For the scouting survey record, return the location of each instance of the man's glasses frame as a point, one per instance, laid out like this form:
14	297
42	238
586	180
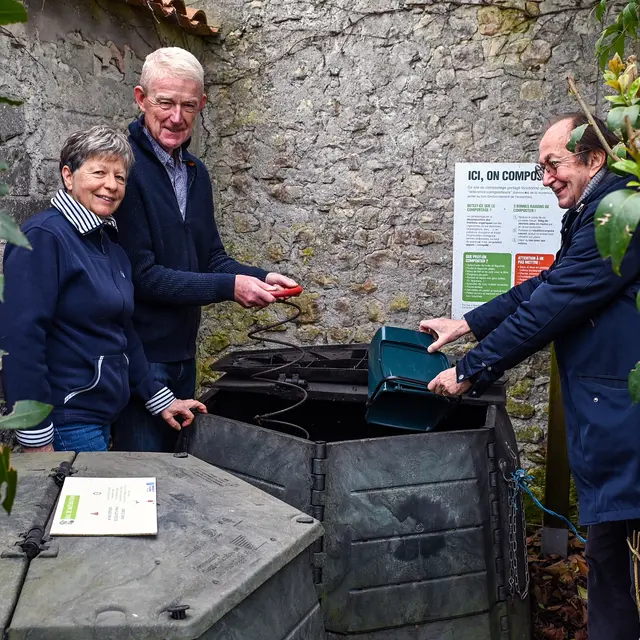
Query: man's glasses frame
551	167
169	105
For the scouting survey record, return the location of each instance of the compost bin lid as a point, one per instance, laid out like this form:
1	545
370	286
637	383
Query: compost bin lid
36	494
218	540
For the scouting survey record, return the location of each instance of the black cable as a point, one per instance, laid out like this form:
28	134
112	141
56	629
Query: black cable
262	375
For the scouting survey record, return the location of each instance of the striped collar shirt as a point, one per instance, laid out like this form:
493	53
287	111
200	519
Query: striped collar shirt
176	170
79	216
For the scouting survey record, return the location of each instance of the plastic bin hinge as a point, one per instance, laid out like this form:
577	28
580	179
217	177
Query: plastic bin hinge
33	542
318	498
504	626
61	472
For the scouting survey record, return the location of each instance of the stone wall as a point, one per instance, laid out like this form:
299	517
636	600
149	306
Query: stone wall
74	63
333	129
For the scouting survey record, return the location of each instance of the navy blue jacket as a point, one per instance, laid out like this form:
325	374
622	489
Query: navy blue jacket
178	265
66	323
590	313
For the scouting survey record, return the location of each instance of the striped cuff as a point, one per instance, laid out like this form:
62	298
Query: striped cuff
160	401
32	438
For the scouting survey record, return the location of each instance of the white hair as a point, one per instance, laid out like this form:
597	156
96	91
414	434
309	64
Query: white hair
171	62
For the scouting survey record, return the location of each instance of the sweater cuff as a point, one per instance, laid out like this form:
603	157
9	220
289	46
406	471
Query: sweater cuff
160	401
227	286
32	438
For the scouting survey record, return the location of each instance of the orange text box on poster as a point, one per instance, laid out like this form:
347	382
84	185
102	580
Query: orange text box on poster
529	265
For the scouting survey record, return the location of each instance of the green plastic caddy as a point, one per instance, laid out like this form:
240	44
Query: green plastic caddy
400	369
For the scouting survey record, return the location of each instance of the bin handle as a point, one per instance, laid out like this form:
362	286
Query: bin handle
419	383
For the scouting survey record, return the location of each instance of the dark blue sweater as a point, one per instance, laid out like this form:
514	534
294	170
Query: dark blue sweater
66	323
178	265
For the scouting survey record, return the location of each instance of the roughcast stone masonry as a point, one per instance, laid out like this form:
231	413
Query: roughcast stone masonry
331	133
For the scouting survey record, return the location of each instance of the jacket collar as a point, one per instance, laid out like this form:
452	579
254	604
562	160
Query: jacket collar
79	216
161	154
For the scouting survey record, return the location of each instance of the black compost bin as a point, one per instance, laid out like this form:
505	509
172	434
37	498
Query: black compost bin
417	525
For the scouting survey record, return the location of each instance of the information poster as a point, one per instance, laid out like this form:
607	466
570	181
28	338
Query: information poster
506	230
106	507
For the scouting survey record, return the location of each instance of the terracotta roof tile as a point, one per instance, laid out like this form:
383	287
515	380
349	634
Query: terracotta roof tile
191	20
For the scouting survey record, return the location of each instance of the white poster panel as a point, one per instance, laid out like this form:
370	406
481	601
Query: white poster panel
506	230
106	507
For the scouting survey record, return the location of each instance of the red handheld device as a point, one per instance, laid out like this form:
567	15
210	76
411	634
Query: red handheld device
287	293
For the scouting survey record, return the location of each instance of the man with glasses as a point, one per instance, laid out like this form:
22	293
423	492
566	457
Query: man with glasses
590	313
167	229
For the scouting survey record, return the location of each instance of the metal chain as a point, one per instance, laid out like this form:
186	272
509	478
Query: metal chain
515	505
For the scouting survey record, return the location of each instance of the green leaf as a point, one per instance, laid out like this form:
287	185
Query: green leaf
12	11
600	9
638	301
11	101
582	592
25	414
616	120
576	136
630	16
4	166
621	151
10	232
633	89
627	166
4	189
9	477
634	384
1	288
615	221
616	100
603	55
618	45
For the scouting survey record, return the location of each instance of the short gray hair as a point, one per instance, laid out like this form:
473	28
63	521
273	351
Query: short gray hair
171	62
99	141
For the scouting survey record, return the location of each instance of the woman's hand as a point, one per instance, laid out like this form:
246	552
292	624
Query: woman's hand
444	330
182	408
446	384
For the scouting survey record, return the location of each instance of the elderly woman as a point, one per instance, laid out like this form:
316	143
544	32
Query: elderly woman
66	319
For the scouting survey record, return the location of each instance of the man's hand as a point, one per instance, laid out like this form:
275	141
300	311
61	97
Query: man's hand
444	331
446	384
182	408
251	292
46	448
280	281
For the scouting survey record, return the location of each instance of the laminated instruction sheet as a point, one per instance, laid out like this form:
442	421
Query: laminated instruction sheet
506	230
106	507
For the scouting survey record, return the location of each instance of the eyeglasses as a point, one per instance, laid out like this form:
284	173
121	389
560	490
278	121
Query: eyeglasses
170	105
551	167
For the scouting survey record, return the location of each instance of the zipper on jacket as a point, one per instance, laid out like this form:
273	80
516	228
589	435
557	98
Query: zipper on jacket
91	386
102	240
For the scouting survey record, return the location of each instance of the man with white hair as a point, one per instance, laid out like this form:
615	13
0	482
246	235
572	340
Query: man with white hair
168	231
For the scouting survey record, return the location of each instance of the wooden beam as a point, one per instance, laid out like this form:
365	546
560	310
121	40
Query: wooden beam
557	479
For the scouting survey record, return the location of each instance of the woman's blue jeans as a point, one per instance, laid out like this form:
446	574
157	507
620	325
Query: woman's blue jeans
81	437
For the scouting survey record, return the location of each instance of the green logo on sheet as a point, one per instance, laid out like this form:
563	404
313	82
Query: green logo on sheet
70	508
